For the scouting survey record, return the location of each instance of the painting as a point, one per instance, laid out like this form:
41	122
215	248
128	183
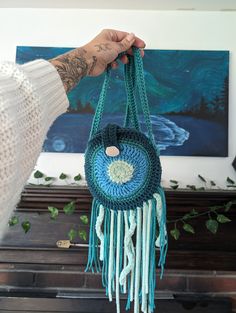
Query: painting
188	98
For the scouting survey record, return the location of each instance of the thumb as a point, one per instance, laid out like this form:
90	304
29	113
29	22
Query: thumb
126	43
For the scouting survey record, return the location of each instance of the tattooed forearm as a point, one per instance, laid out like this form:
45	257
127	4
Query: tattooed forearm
93	58
72	66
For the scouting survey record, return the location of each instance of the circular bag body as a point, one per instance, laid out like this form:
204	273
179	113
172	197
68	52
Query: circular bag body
126	180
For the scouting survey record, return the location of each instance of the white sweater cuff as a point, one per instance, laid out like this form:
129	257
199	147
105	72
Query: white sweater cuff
48	86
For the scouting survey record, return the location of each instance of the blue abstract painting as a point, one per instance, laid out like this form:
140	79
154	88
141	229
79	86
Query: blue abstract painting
188	98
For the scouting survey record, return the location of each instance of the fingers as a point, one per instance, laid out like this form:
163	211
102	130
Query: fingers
129	41
117	35
139	43
114	65
126	43
114	35
124	59
129	51
125	40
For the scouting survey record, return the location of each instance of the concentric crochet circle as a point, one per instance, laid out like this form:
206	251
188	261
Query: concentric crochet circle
120	171
125	181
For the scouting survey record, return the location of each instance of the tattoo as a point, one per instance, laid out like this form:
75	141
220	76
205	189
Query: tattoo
72	66
103	47
93	64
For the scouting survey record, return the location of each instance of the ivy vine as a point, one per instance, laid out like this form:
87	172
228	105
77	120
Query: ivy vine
206	184
213	217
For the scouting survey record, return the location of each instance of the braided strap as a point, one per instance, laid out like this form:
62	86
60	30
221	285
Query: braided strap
133	73
100	107
131	118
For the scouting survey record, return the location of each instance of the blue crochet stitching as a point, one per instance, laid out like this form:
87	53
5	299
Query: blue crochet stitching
132	155
113	199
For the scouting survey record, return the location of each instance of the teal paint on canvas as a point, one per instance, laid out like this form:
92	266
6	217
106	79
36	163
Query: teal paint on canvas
188	97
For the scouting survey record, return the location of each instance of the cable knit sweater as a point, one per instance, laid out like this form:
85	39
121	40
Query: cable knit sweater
32	96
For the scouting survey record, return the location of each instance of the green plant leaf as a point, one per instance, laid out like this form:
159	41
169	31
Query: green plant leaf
48	178
72	234
212	226
212	183
194	212
82	234
228	206
192	187
202	178
77	177
230	181
174	181
69	208
26	226
84	219
63	176
53	212
223	219
188	228
38	174
175	233
174	187
213	208
186	216
14	220
201	188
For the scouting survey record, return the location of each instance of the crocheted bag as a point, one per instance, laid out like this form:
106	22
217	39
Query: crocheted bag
123	173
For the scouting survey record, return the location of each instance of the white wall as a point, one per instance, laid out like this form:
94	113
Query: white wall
161	30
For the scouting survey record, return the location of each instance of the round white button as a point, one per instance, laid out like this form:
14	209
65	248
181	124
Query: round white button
112	151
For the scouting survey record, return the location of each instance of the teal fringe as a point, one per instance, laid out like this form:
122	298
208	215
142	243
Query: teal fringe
152	264
128	294
163	236
94	263
93	258
107	220
122	234
114	252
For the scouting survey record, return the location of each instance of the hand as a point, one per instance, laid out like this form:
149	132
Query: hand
93	58
105	48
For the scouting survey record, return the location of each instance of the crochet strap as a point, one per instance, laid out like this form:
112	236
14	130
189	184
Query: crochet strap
134	77
131	116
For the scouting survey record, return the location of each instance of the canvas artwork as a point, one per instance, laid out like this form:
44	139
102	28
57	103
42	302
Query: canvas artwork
188	98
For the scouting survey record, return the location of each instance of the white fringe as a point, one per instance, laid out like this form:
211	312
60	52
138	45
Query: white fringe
111	254
99	232
138	260
129	244
158	215
132	226
144	239
148	245
118	263
125	254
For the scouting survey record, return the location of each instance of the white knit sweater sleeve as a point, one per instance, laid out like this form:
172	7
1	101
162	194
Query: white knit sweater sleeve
32	96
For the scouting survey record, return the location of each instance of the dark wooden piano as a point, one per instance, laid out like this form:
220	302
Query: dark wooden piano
37	276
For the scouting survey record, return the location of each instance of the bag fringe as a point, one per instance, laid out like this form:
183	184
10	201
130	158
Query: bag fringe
127	269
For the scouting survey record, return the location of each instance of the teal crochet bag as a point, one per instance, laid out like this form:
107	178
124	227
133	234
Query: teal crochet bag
123	173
